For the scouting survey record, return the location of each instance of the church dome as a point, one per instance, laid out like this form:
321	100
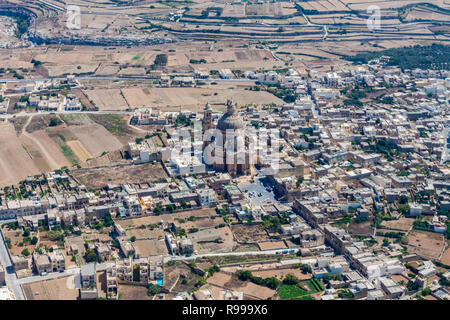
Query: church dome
231	119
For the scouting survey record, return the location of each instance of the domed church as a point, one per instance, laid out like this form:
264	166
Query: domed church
236	161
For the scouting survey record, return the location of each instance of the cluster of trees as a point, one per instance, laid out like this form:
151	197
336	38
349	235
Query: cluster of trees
273	223
272	282
287	95
387	148
22	20
194	61
183	121
54	122
353	97
434	56
91	256
153	289
217	10
160	61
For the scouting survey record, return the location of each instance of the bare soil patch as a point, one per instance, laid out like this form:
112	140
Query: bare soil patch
55	289
79	150
426	244
97	178
95	138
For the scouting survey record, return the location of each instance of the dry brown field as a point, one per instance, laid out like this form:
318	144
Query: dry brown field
363	229
195	98
145	233
97	178
402	224
445	259
250	233
281	273
55	289
226	245
95	138
79	150
107	99
15	163
128	292
271	245
51	148
426	244
167	218
148	248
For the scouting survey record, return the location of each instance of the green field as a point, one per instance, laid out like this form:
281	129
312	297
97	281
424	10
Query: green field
293	292
315	285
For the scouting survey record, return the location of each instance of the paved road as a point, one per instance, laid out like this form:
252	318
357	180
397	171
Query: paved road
115	78
30	114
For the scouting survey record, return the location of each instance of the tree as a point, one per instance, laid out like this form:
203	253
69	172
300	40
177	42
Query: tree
90	256
290	279
426	291
306	268
411	286
54	122
136	273
245	275
157	210
272	283
213	269
8	242
133	238
153	289
34	240
26	232
26	252
160	61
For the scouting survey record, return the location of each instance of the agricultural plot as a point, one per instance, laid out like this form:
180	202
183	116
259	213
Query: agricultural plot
95	139
115	124
107	99
79	150
15	163
196	98
293	292
51	148
62	136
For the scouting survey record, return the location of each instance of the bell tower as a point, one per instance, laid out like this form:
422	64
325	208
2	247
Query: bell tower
207	118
